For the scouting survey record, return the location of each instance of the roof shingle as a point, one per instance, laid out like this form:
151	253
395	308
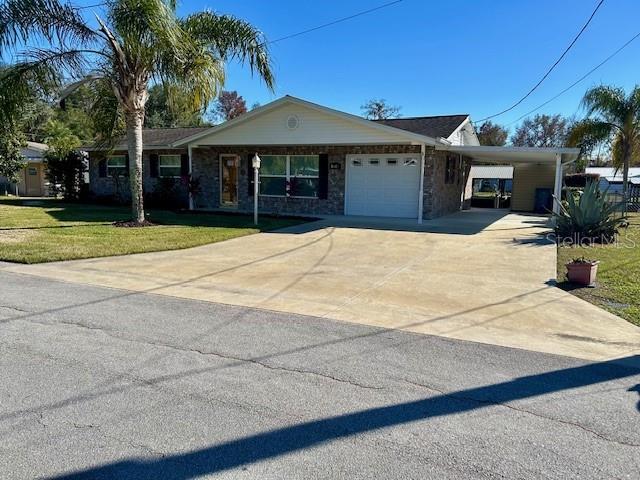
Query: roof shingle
435	127
158	137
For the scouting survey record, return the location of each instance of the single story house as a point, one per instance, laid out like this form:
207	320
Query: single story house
33	179
319	161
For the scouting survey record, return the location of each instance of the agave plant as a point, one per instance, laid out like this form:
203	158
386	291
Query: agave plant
588	217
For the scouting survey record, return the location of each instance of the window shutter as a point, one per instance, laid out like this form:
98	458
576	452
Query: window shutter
127	164
250	173
102	168
184	165
154	165
323	180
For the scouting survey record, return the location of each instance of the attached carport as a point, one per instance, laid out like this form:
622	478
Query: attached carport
533	168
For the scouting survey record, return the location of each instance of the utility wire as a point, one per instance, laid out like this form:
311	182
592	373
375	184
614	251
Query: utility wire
593	14
340	20
579	80
313	29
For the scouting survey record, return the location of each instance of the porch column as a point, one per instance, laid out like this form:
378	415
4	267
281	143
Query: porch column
557	190
189	149
423	149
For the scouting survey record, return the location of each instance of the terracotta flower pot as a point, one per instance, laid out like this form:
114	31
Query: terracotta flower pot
583	273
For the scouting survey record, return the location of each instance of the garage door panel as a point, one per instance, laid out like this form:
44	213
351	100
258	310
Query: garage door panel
382	185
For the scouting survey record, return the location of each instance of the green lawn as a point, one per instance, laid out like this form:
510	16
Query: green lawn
618	282
34	231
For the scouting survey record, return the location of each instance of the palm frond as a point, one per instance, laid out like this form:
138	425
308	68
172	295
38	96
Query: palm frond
588	133
107	115
228	37
146	27
608	102
50	20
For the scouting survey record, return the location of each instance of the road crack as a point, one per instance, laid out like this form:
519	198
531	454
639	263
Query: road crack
521	410
238	360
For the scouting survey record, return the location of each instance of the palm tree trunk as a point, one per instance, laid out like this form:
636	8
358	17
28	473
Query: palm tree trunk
134	122
625	174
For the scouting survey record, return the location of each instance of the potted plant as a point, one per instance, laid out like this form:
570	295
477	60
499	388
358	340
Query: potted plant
582	271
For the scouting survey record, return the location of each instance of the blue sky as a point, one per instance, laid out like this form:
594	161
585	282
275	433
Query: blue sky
437	57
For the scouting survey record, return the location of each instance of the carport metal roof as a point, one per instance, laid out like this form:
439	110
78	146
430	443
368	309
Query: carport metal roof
522	155
514	155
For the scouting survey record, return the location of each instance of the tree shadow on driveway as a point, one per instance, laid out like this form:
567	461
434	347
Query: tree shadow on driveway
274	443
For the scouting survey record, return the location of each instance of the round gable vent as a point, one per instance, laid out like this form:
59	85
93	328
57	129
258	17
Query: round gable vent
293	122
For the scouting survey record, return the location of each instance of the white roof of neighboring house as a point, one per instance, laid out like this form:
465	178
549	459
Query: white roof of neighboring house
613	175
491	171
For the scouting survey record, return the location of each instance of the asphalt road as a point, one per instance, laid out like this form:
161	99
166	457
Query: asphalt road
107	384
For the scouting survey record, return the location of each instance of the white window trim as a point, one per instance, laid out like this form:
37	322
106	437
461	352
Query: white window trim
110	157
287	176
179	166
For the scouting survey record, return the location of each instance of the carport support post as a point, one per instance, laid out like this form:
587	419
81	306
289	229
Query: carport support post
190	151
423	149
557	190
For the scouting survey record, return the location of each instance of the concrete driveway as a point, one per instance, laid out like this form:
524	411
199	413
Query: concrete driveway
482	276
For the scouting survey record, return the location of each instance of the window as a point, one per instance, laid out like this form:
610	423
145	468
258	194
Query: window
290	175
33	171
169	166
450	170
356	163
374	161
392	161
410	162
117	166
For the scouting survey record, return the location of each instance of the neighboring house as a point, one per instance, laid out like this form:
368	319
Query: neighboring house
315	161
611	178
33	177
489	186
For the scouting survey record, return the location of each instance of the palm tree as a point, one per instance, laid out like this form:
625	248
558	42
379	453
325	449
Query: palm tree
128	46
613	117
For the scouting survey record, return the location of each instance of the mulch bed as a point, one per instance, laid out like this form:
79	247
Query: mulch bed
133	224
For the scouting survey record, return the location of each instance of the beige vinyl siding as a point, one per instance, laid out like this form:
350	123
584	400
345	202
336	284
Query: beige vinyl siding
314	128
526	178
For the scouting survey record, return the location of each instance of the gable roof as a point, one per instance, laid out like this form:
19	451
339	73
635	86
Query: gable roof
155	138
167	136
439	126
287	99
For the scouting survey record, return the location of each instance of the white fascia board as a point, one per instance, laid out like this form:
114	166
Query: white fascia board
465	122
414	137
514	154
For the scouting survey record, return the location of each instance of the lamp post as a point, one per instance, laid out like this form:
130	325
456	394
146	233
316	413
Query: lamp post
256	166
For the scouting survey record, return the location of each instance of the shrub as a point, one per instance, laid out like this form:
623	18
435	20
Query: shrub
66	174
587	217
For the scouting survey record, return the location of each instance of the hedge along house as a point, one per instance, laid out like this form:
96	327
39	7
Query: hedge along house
315	161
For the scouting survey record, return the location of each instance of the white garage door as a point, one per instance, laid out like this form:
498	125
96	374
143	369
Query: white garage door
383	185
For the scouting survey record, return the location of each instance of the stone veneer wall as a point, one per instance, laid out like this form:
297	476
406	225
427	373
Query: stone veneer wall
439	197
206	168
105	187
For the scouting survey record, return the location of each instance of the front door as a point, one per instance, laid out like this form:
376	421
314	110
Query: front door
33	180
229	165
